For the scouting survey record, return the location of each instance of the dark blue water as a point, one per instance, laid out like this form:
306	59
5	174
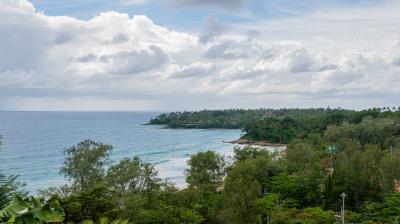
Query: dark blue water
33	142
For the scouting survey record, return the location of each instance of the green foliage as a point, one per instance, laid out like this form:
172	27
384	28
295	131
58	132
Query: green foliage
32	210
309	215
271	129
131	176
8	186
129	189
267	205
135	188
352	217
287	187
152	182
232	119
107	221
241	191
91	205
315	215
205	170
202	201
366	175
171	215
84	164
248	152
299	185
298	123
387	211
303	164
383	132
124	189
275	126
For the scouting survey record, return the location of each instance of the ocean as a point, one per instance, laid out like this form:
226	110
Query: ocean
33	143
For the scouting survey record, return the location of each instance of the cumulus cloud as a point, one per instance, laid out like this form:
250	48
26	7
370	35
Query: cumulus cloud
194	70
135	61
119	38
227	50
114	59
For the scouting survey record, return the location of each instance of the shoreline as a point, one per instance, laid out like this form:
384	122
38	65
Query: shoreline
165	126
256	143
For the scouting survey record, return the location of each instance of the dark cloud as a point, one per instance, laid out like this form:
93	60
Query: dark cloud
300	60
63	38
212	29
87	58
328	67
136	61
226	50
396	61
119	38
224	4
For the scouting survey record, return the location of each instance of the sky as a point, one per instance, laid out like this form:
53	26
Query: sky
167	55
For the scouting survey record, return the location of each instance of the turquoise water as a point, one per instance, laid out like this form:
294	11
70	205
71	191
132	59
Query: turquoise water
33	143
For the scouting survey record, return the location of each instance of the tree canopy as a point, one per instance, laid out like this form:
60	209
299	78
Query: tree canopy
329	151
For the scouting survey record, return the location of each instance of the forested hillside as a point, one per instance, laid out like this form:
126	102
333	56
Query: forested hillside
230	119
353	153
272	125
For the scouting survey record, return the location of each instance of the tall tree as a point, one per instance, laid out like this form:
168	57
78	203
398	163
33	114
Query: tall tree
152	182
241	191
304	164
126	177
205	171
85	163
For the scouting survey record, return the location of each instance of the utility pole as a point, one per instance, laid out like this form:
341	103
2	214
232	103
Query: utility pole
343	195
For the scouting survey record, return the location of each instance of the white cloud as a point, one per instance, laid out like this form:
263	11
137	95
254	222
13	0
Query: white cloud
131	63
194	70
